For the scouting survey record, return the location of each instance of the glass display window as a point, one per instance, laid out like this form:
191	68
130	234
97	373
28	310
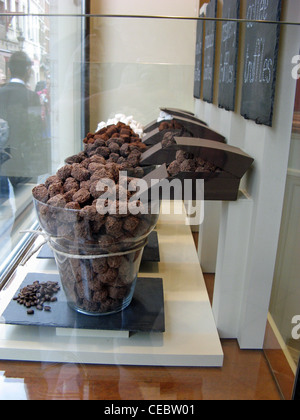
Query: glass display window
71	70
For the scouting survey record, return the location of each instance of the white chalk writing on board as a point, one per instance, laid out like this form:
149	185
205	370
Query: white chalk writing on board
260	60
226	66
198	62
208	70
257	68
257	11
229	31
226	69
209	52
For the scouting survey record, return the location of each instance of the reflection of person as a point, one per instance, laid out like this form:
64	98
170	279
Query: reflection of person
42	89
20	108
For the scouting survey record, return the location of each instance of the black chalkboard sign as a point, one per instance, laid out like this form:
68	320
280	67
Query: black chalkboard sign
198	61
209	52
260	61
229	55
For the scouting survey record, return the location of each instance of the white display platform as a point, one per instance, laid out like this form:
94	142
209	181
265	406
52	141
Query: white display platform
191	337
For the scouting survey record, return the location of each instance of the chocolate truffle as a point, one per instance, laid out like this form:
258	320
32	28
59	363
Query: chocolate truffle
82	196
40	193
95	166
133	158
90	213
69	195
113	157
55	189
180	156
115	262
99	265
113	226
71	184
124	150
103	151
57	201
131	223
110	276
86	184
118	292
101	174
74	159
64	172
168	140
114	148
100	296
97	159
174	168
52	180
188	165
72	206
79	172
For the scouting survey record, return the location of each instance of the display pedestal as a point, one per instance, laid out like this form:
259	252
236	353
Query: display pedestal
190	337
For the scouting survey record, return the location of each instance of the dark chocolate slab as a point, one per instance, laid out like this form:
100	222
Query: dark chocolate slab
175	113
145	314
184	114
229	158
196	128
218	186
200	129
222	184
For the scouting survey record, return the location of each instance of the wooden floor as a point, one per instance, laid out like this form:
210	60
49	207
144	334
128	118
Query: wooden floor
244	376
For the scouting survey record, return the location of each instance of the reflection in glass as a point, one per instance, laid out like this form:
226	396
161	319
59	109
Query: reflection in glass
34	101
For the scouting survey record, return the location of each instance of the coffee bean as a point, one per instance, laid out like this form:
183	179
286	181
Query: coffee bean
36	295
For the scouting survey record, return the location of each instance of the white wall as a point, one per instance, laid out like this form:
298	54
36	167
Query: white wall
250	227
147	7
139	65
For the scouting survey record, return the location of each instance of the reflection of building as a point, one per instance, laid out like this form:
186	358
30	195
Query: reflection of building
28	33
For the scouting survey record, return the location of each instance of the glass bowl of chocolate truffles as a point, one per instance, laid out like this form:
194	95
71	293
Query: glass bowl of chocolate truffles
96	230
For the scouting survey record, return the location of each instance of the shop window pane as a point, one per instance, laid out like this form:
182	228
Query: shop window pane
120	75
40	108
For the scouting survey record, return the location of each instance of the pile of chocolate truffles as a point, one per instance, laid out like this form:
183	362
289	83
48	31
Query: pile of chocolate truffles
75	187
100	285
67	208
115	144
173	129
187	162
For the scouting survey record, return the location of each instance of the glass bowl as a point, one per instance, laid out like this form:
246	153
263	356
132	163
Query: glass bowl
98	285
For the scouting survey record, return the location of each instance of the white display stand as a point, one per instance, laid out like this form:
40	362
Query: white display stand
191	338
